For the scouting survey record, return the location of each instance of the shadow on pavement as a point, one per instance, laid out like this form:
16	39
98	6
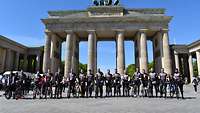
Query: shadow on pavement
29	98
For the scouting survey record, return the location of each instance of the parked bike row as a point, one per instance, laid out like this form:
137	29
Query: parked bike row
141	84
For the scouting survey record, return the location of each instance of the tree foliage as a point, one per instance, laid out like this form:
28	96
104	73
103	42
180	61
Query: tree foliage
132	68
150	65
81	66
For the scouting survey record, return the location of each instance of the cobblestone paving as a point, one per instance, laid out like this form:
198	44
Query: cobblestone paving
105	105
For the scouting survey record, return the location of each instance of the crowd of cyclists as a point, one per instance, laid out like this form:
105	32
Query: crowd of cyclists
140	84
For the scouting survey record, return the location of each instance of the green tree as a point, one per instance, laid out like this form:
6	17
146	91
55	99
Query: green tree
131	69
150	65
81	66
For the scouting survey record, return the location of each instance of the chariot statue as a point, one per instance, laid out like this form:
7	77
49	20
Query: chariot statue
105	2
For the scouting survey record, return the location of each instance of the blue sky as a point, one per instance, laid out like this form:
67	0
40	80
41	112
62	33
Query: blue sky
20	21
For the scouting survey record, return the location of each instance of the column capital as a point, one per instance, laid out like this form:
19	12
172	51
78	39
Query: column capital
17	52
164	30
190	54
175	52
91	31
48	32
143	30
119	30
8	49
69	31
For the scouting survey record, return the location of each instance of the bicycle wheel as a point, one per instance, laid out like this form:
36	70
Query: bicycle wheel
8	94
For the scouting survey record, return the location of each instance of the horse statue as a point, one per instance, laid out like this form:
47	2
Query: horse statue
105	2
116	2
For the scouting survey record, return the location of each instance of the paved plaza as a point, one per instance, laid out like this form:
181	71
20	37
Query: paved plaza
105	105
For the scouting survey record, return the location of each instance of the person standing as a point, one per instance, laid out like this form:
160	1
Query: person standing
71	83
37	85
136	82
99	82
83	83
58	84
162	78
195	84
90	83
12	81
48	84
125	84
117	83
40	81
101	2
153	80
145	81
178	83
109	79
24	80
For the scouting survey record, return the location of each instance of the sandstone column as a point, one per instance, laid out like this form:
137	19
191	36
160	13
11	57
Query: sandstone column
166	59
38	62
75	54
182	65
120	51
47	48
95	55
68	54
143	58
198	61
92	51
59	53
53	54
176	60
17	61
157	48
186	67
8	59
190	61
136	52
25	64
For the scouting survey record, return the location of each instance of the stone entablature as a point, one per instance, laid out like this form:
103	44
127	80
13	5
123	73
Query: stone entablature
35	50
195	46
113	9
181	49
106	11
155	11
190	48
7	43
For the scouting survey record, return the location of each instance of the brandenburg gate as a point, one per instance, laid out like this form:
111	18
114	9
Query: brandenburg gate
107	23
